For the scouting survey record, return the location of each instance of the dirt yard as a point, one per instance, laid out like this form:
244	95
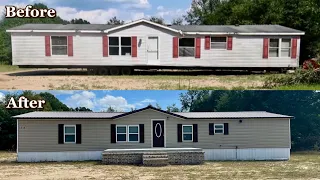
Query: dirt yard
301	166
79	80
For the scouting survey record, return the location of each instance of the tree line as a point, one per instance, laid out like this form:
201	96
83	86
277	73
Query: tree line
302	15
303	105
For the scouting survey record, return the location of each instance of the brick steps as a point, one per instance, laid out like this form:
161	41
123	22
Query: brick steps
155	159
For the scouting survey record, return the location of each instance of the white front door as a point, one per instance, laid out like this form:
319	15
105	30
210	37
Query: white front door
153	50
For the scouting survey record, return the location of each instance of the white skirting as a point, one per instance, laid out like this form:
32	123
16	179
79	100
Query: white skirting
210	154
247	154
59	156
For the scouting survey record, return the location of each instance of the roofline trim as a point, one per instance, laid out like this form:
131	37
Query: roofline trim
140	21
42	31
90	31
235	33
22	31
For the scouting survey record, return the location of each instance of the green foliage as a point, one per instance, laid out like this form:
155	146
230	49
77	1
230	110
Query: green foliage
158	20
79	21
303	105
303	15
300	76
177	21
173	108
115	21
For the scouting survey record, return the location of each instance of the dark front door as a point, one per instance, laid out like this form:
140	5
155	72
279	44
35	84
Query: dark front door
158	133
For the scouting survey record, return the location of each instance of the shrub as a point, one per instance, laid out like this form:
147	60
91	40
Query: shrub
300	76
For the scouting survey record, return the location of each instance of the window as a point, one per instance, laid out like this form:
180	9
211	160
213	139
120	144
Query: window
133	133
59	45
69	134
114	46
126	46
187	132
286	48
121	133
127	133
274	48
186	47
218	128
218	42
120	46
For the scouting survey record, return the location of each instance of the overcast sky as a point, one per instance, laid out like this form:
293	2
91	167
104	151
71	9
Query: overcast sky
100	11
121	100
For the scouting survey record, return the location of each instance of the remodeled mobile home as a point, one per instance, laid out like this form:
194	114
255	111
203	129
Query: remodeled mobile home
115	49
74	136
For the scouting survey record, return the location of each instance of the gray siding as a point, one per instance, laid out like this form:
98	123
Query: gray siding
29	49
42	135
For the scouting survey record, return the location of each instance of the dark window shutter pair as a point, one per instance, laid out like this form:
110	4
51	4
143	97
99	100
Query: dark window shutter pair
113	133
225	125
195	132
61	133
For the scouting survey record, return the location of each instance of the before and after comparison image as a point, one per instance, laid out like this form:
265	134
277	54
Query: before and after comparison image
158	90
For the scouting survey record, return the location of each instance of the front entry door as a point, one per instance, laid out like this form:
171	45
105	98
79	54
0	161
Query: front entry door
158	133
153	50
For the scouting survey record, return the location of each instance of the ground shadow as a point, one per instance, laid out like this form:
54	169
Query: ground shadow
79	72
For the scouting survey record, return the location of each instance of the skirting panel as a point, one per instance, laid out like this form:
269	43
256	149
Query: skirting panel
247	154
59	156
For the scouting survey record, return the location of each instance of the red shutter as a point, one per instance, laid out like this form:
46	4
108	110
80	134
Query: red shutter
294	48
198	47
265	48
207	42
230	41
175	47
134	46
47	46
70	45
105	44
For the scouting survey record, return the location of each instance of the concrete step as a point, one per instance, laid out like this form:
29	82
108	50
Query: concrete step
155	161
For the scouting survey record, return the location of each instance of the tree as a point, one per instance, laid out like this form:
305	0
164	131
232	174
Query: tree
158	106
173	108
110	110
178	21
79	21
115	21
81	109
158	20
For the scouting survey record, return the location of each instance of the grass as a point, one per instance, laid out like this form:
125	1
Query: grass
304	165
8	68
299	87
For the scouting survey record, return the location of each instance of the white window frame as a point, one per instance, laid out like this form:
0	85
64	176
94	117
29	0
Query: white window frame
194	48
183	133
120	46
218	128
75	134
121	133
280	48
133	133
51	46
127	133
211	42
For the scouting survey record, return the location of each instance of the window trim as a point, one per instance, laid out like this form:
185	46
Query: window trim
121	133
219	43
218	128
51	46
280	48
120	46
138	133
187	133
194	47
64	134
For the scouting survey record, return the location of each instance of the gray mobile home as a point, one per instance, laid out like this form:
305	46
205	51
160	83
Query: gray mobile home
76	136
116	49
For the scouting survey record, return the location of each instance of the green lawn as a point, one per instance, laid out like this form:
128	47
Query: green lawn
8	68
299	87
305	165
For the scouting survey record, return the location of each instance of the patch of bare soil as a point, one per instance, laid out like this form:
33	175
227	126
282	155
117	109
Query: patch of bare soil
79	80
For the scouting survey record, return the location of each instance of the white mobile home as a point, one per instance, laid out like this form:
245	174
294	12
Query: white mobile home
75	136
143	44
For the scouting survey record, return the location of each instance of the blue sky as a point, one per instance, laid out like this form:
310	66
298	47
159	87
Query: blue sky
121	100
99	11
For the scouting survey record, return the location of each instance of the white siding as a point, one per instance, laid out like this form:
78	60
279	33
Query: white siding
29	49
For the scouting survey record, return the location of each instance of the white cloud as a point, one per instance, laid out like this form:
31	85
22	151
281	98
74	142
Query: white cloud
82	99
160	8
148	101
119	103
137	4
2	96
93	16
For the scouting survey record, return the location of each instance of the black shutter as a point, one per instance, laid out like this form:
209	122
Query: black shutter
195	132
60	134
141	133
78	133
211	128
113	133
179	132
226	128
